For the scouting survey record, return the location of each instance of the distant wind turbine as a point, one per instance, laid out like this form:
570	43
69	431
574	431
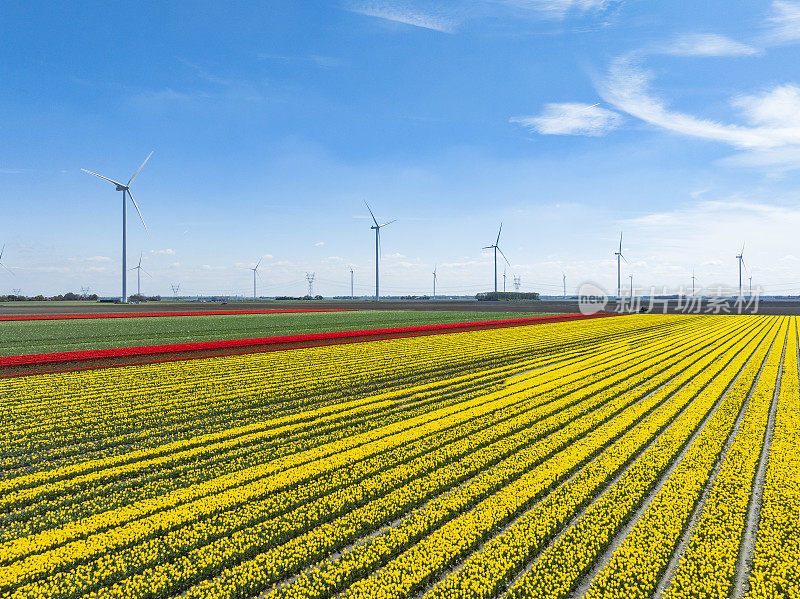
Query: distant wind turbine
3	249
255	271
139	271
693	278
564	283
740	258
496	248
377	228
631	278
619	255
434	281
125	189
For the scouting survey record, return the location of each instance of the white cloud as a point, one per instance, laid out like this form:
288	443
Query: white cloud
627	88
98	259
168	252
783	26
404	12
319	244
571	119
559	9
707	44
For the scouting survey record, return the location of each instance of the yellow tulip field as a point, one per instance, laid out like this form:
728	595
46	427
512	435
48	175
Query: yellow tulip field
631	456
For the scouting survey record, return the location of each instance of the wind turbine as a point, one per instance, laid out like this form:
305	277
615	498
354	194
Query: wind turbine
564	283
139	270
693	277
377	228
496	248
740	258
434	281
255	270
631	278
619	255
750	293
125	189
3	249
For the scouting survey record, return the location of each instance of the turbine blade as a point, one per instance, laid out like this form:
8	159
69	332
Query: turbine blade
388	223
498	234
8	269
258	263
147	273
504	256
488	247
371	214
139	211
140	168
624	258
140	258
3	249
102	177
620	242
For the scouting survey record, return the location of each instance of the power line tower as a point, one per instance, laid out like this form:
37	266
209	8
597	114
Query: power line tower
176	287
517	283
84	292
16	292
310	279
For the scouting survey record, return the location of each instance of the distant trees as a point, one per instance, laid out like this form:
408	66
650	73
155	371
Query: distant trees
505	296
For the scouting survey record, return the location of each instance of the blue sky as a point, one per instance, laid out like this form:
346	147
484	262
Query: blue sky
271	123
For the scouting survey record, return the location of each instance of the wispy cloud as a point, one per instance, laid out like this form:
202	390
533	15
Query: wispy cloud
405	13
167	252
571	119
783	25
319	244
313	59
559	9
13	171
98	259
706	44
772	114
203	74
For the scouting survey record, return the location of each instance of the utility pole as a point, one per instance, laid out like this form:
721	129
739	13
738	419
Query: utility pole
352	295
310	279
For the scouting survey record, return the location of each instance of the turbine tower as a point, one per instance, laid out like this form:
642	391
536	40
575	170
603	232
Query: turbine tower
126	190
619	255
750	293
496	248
564	283
434	281
693	277
255	271
631	278
377	228
139	270
352	296
740	258
504	279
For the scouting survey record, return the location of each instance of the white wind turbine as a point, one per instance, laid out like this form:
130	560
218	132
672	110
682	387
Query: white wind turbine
434	281
126	190
377	228
740	258
255	272
496	247
619	255
139	271
3	249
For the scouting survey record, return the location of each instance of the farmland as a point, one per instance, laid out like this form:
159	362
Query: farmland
628	456
46	336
